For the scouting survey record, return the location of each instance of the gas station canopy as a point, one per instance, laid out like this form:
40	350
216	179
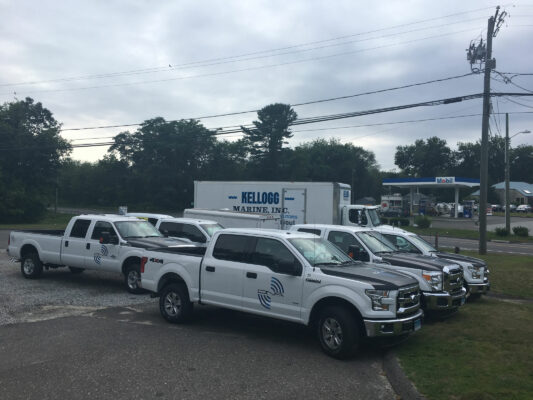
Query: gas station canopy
434	182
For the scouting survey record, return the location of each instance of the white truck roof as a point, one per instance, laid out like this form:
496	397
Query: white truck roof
342	228
107	217
274	233
149	215
188	220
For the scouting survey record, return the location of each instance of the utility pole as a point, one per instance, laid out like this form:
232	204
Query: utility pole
507	174
478	53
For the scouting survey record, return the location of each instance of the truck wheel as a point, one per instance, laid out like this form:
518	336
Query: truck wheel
132	278
31	266
174	303
76	270
338	332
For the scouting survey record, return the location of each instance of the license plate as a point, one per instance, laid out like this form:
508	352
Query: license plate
418	324
463	301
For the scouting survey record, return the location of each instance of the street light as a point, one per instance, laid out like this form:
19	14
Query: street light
507	173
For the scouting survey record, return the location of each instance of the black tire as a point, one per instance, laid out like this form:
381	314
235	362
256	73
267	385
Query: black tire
30	266
132	278
338	332
76	270
174	303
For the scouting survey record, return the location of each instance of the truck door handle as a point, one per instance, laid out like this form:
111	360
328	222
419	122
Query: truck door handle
210	269
252	275
66	243
88	246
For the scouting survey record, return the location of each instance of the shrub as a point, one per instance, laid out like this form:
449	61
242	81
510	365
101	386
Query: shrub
396	221
521	231
422	221
385	220
501	232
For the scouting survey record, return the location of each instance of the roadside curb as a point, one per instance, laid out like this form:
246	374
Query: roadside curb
401	385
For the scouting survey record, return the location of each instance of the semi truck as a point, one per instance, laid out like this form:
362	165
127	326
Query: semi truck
293	202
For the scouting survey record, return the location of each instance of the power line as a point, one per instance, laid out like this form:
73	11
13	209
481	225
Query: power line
244	69
236	57
293	105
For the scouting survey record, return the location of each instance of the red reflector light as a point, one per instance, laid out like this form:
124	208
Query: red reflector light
143	263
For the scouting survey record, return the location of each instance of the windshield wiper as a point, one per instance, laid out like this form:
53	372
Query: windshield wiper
326	263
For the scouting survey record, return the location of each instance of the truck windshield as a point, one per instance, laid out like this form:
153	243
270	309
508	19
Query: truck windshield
137	229
210	229
422	244
376	242
374	217
320	252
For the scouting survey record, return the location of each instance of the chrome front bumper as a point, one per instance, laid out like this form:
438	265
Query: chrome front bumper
478	288
394	327
443	300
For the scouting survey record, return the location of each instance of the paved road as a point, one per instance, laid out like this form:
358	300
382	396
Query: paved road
83	336
126	353
492	247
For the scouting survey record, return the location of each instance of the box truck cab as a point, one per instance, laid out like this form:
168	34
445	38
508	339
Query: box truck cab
293	202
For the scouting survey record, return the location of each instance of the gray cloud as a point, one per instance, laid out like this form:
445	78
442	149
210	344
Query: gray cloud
51	39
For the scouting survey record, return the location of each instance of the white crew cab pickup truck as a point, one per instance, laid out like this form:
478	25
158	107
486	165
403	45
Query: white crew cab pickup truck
475	271
441	281
100	242
193	229
287	275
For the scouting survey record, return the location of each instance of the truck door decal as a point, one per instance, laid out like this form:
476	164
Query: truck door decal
97	257
276	289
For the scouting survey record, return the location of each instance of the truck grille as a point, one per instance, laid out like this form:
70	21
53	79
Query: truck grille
408	300
453	281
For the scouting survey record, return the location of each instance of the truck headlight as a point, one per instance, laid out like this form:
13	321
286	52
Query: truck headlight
380	299
477	272
434	279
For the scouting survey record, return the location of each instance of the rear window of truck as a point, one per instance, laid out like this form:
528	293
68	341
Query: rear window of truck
79	230
233	247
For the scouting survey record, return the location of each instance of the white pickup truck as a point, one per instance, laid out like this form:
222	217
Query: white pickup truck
100	242
441	281
287	275
193	229
475	271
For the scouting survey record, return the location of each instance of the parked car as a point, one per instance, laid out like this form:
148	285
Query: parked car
440	280
525	208
100	242
475	271
291	276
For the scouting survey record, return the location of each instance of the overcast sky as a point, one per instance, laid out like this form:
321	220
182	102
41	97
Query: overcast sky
198	58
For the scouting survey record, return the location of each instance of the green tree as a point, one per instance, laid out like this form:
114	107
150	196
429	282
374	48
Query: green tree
165	158
521	161
331	161
267	138
31	152
430	157
468	159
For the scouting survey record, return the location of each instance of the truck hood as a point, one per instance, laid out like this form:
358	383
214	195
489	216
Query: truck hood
150	242
378	277
416	261
459	257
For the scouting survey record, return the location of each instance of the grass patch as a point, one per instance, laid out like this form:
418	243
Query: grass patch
481	353
513	214
464	234
49	221
509	274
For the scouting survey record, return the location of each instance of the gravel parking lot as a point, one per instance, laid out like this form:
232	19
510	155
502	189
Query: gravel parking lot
58	293
89	337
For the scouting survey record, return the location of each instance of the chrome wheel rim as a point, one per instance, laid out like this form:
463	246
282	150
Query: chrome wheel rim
172	304
133	279
332	333
29	266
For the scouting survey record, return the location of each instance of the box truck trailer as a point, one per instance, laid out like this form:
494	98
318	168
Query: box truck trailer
293	202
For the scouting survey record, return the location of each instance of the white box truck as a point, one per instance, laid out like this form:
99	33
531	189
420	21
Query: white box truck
294	202
235	219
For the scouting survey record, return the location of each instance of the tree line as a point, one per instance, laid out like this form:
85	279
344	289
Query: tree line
154	167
